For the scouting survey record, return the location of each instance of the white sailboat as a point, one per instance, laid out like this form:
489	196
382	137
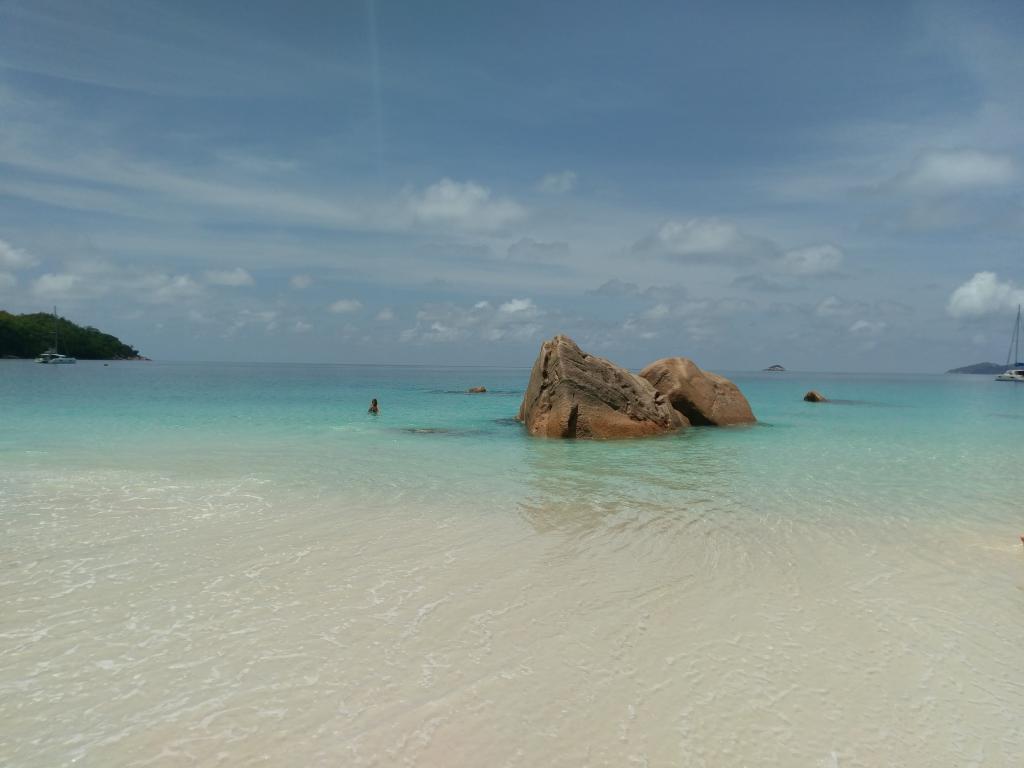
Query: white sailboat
1014	368
52	356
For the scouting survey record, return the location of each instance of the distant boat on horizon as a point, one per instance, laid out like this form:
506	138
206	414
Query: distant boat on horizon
52	356
1014	368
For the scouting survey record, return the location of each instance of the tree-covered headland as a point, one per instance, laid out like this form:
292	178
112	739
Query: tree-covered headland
29	335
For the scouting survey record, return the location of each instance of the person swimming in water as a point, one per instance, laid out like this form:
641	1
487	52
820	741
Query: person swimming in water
374	408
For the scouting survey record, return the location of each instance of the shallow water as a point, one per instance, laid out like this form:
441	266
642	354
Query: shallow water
235	565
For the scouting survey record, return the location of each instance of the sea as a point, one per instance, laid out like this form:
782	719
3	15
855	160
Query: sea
237	565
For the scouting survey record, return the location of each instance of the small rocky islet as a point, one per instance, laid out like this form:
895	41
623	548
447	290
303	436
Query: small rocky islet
572	394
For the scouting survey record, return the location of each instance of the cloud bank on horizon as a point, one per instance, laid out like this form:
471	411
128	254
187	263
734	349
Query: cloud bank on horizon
830	188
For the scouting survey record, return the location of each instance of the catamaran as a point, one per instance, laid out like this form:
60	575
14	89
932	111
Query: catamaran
1014	369
52	356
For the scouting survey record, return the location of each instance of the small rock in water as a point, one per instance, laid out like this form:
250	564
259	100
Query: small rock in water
814	396
476	390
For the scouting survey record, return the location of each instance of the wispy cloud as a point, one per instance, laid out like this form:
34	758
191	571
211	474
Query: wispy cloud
701	238
812	260
868	327
15	258
464	204
234	278
345	306
513	320
558	183
939	171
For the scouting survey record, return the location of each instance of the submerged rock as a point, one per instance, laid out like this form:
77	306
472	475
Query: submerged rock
573	394
476	390
814	396
702	397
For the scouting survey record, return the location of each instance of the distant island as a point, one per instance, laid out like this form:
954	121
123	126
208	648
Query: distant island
979	368
776	368
26	336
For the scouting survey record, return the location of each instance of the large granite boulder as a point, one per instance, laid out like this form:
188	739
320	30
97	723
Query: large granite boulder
702	397
573	394
814	396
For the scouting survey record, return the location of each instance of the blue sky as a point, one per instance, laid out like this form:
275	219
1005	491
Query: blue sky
830	186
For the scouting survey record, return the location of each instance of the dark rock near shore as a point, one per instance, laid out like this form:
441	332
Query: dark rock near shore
476	390
814	396
704	398
575	395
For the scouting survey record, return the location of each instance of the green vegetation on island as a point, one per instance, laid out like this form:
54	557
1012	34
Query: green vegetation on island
26	336
979	368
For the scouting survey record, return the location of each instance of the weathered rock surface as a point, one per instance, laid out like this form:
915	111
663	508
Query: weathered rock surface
702	397
573	394
476	390
814	396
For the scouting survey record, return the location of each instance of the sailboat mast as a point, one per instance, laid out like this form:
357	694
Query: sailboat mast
1017	339
54	327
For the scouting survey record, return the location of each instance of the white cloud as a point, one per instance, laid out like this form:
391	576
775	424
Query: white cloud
92	279
268	318
234	278
301	327
658	312
831	306
386	315
514	320
164	289
697	320
701	238
464	204
984	294
54	285
345	306
299	282
517	305
812	260
943	170
558	183
15	258
868	327
698	236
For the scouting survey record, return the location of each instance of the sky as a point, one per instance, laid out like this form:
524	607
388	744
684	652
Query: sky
829	186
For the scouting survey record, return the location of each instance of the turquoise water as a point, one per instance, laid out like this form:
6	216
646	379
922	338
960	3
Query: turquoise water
208	564
915	445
